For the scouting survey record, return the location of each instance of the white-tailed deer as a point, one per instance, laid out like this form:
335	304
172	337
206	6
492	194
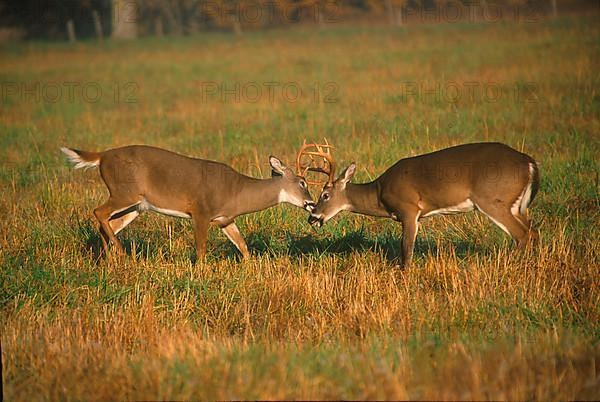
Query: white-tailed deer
142	178
490	177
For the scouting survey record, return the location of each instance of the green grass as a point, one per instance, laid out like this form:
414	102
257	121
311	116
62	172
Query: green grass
314	314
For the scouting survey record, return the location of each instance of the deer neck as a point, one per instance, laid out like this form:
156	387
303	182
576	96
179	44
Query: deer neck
258	194
364	199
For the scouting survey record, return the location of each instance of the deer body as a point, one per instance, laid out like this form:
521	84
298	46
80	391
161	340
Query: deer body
490	177
143	178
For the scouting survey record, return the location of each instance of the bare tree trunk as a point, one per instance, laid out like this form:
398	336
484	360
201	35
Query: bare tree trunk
125	19
390	11
177	16
192	27
237	27
483	5
554	8
233	10
158	26
399	16
394	13
97	25
320	17
71	31
170	11
190	22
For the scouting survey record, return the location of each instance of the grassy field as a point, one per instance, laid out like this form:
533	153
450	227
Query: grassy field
314	314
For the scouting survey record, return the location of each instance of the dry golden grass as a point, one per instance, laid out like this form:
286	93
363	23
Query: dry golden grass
269	329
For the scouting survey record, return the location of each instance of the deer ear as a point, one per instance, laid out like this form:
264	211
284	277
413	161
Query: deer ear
277	166
347	174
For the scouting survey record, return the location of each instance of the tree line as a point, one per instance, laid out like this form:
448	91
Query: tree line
73	19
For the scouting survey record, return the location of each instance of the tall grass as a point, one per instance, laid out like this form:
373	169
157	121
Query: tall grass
313	314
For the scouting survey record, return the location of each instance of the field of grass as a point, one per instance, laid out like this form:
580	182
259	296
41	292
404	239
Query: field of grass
314	314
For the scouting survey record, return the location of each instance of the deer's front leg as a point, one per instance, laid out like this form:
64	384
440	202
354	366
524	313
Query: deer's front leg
410	226
200	234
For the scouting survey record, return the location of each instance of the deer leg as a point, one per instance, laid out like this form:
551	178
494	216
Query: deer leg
233	234
410	227
501	215
200	234
104	213
118	224
523	219
104	237
532	233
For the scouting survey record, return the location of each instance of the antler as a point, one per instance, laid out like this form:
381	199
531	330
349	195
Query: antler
322	151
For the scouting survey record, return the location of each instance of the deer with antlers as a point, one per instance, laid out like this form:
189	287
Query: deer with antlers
313	150
142	178
489	177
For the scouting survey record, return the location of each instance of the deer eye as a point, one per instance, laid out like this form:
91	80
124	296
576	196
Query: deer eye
325	196
302	183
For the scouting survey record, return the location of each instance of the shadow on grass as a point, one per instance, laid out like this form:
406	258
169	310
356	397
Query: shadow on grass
260	243
93	244
344	245
146	247
388	244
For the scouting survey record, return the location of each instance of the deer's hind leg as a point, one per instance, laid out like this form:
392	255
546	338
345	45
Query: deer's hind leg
121	220
113	216
233	234
503	217
532	233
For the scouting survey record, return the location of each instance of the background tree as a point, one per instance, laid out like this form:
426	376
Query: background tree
392	8
125	14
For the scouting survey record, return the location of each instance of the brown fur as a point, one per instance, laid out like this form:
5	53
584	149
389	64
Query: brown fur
490	176
140	178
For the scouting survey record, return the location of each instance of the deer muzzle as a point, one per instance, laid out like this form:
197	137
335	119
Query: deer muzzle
312	219
309	206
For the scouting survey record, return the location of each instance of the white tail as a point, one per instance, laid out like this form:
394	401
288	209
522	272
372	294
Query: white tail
78	160
528	193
